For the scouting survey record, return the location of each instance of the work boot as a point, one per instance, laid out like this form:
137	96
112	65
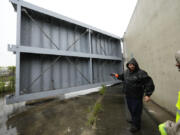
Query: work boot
129	121
134	129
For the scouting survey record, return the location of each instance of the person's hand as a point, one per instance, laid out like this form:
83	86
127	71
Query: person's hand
146	98
112	74
115	75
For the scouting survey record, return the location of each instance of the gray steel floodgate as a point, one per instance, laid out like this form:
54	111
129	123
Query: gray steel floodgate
57	55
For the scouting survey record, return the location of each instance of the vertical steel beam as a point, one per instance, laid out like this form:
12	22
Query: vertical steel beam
18	42
122	54
90	60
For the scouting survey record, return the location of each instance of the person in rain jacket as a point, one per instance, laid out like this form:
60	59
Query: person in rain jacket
170	127
137	84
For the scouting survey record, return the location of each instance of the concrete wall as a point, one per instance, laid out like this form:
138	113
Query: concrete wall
153	37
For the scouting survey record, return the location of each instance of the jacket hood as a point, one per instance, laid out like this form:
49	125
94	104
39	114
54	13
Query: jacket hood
177	56
134	62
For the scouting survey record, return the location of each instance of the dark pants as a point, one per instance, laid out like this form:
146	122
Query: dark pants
135	107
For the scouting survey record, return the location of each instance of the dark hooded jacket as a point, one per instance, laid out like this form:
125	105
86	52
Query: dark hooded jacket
136	83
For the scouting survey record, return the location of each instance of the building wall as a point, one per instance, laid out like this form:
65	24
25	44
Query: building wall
153	37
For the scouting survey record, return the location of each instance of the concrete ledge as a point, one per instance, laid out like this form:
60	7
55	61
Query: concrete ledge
158	113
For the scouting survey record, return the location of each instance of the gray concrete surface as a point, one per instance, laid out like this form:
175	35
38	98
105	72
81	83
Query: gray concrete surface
153	37
112	121
70	117
157	113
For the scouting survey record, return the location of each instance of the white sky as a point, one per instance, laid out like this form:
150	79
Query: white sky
109	15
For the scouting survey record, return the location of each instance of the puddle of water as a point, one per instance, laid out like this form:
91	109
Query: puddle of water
57	117
5	112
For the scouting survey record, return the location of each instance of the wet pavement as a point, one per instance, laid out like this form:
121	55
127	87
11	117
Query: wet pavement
57	117
5	112
70	117
113	119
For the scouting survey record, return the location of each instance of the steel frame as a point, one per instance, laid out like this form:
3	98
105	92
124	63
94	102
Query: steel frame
18	49
53	93
58	16
37	50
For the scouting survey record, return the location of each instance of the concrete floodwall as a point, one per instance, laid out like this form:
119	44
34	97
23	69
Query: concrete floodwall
153	37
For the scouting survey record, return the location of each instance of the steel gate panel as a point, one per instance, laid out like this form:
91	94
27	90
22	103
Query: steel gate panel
58	55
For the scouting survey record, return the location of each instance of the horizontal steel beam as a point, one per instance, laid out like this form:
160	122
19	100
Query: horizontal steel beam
46	51
61	17
52	93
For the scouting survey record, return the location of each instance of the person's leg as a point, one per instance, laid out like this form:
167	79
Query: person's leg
129	105
137	113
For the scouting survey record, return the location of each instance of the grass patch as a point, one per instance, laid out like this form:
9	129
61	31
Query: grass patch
93	115
102	90
91	120
97	108
93	111
6	88
7	79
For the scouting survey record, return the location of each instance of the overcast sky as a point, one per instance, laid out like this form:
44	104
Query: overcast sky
109	15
